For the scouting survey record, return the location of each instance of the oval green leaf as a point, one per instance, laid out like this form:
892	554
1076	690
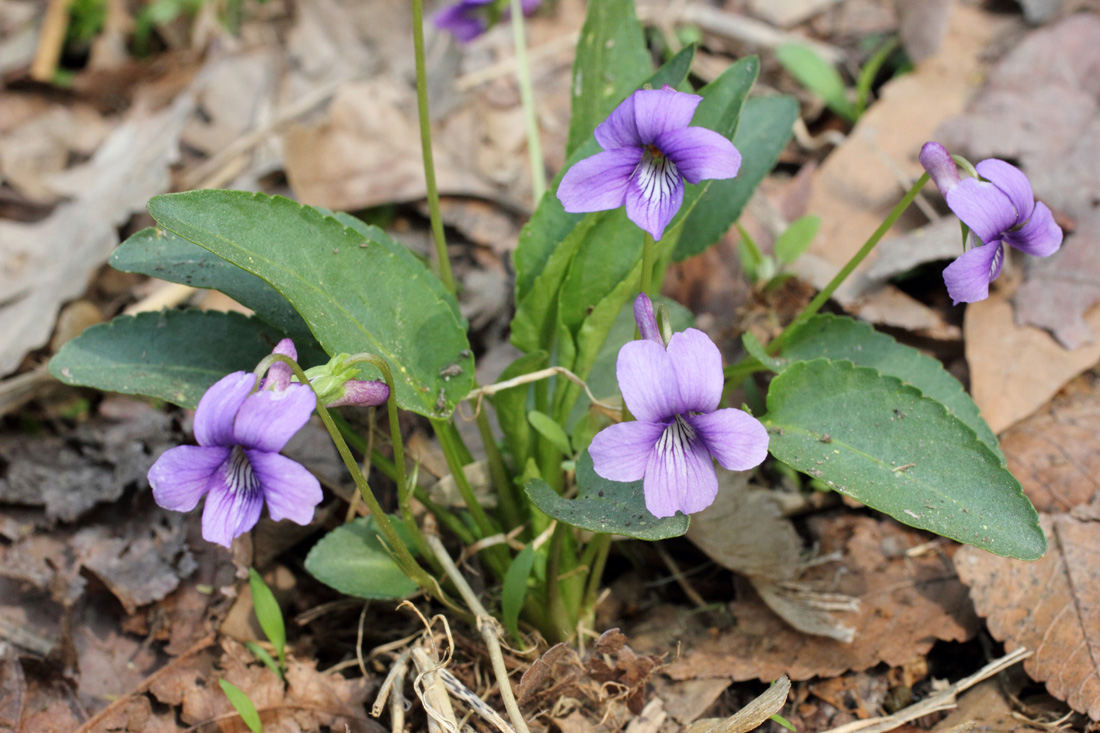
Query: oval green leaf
882	442
172	355
244	707
605	506
839	337
356	288
353	560
167	256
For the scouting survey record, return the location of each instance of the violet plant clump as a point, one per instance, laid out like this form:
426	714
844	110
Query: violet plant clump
674	393
999	208
570	479
649	150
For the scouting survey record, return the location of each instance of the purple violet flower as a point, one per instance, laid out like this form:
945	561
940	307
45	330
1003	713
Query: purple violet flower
674	394
648	152
999	209
236	464
468	19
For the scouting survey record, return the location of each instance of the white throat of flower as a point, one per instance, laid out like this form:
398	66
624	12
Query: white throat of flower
673	445
239	475
656	175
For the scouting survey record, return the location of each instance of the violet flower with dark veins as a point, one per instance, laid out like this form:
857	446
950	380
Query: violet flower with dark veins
678	429
648	152
468	19
999	209
236	464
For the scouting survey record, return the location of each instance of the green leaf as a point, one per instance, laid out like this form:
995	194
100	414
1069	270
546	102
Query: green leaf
757	351
172	355
356	288
839	337
590	338
605	506
164	255
880	441
548	241
611	62
262	654
819	76
242	705
513	591
764	128
550	430
353	559
796	238
268	614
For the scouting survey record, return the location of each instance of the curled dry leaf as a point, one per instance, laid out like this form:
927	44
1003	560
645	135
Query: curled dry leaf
743	531
906	604
751	716
1051	605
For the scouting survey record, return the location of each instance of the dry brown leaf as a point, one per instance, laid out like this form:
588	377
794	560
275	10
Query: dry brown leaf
858	184
1015	370
750	717
1054	452
743	531
366	152
986	708
49	262
310	699
906	604
686	700
1051	605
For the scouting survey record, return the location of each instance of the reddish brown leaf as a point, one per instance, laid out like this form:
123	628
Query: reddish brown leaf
906	604
1054	453
1051	605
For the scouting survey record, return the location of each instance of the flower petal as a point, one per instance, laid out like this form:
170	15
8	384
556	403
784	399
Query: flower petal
940	166
983	207
654	195
1040	236
598	183
698	366
737	439
218	409
1012	181
229	514
462	20
290	490
662	110
182	475
619	130
700	154
267	420
968	277
621	452
680	476
648	382
646	320
279	375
